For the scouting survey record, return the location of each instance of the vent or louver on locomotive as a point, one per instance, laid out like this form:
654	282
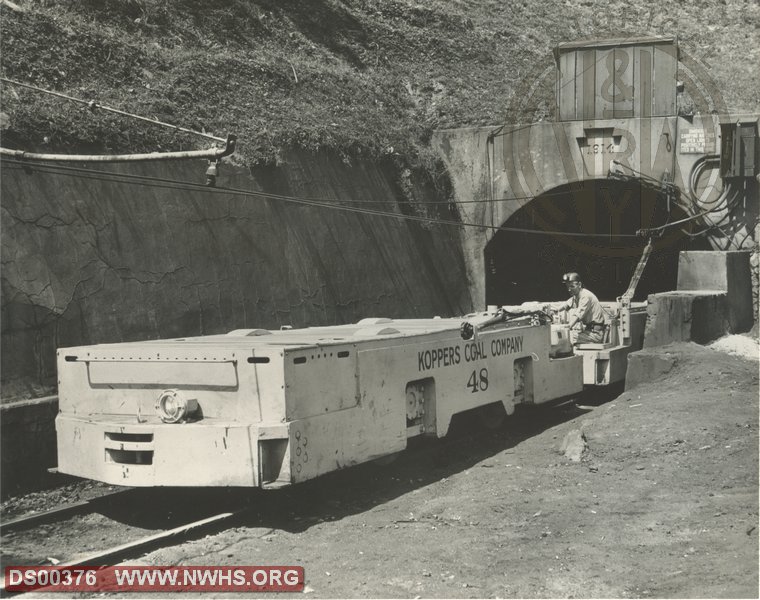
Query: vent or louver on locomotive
129	448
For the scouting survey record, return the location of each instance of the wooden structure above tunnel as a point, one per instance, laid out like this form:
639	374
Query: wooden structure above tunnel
616	78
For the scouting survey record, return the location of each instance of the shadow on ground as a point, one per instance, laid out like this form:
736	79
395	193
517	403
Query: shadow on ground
471	439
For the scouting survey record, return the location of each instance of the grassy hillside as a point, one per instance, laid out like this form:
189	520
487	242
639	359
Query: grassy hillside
360	77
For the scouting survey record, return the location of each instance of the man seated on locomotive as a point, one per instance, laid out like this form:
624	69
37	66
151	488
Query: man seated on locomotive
583	307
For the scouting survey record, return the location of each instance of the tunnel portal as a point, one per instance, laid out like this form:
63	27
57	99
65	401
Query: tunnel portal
602	217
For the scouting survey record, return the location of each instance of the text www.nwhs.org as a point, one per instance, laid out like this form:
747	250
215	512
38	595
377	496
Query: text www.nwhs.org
144	579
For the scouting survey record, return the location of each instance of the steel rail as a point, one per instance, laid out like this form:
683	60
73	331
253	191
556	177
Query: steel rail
60	512
113	555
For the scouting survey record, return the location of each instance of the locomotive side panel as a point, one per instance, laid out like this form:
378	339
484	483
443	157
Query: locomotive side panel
319	380
331	423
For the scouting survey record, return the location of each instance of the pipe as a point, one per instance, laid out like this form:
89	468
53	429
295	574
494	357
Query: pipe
211	154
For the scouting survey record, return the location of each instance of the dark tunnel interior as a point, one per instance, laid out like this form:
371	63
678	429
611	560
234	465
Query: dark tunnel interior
528	266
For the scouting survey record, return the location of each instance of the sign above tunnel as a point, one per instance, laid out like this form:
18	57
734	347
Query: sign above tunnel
616	79
697	140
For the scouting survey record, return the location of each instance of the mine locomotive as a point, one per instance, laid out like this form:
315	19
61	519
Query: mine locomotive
261	408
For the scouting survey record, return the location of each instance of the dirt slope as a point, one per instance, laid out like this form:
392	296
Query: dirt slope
663	504
361	77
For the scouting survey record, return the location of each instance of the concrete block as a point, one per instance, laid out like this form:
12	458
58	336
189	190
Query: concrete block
645	366
686	317
728	272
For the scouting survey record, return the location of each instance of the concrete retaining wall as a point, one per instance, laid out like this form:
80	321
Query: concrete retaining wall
28	444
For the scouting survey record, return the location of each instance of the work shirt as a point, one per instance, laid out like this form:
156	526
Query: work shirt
586	307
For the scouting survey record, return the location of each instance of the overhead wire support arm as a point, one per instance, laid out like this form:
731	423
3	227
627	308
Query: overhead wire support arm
639	270
624	301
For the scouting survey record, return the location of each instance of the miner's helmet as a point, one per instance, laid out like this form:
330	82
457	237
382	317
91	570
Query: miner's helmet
571	277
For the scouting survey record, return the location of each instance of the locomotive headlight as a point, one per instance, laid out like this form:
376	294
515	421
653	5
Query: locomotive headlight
173	407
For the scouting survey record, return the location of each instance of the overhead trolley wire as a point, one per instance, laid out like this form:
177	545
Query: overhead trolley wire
27	165
159	182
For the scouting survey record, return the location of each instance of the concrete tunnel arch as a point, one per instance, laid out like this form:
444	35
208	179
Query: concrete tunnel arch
521	267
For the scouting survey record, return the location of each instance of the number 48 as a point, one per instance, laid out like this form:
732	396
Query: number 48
478	381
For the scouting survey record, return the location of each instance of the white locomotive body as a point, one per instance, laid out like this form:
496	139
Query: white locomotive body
266	408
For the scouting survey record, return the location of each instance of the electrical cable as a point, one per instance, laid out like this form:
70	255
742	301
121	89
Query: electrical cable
180	185
649	230
50	168
542	195
723	199
749	232
174	184
710	225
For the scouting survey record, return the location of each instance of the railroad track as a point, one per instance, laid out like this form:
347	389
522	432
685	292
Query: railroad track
35	538
61	512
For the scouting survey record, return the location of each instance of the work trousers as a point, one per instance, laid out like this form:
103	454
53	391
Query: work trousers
587	336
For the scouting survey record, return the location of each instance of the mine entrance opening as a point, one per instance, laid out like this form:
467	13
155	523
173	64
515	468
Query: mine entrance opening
529	266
